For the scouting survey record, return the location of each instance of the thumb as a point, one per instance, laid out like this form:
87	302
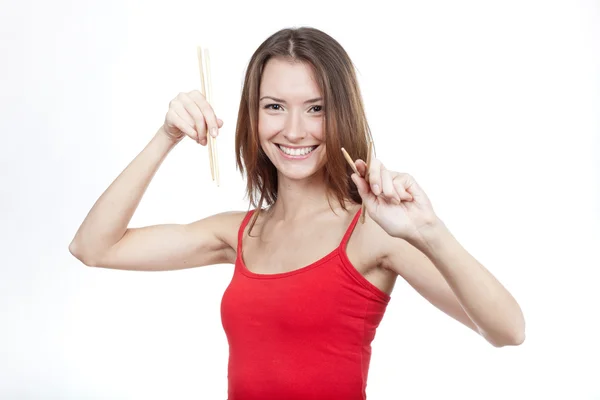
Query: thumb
364	190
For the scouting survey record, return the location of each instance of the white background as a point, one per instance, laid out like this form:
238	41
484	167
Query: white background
491	106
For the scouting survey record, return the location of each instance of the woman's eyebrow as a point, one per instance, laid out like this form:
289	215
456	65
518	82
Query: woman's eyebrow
283	101
313	100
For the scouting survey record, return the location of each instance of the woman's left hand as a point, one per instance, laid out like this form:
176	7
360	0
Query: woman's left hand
394	200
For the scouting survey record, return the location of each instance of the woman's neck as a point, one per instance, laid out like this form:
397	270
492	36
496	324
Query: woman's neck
298	200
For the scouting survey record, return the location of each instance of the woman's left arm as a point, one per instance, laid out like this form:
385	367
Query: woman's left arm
488	304
397	203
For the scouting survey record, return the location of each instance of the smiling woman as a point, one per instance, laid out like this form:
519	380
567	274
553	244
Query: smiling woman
294	79
293	128
311	286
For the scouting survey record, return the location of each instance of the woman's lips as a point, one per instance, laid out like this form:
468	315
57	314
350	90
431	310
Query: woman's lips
296	157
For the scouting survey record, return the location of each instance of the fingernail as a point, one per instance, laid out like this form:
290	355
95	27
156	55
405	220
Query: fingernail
213	132
376	189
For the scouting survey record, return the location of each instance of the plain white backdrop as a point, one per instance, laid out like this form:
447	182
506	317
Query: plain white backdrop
491	106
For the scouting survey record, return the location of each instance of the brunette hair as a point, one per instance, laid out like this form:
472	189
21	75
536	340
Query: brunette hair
345	121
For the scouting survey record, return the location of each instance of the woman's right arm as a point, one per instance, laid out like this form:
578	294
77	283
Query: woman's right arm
104	239
209	241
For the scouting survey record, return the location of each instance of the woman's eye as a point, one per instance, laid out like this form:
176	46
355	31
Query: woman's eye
275	107
317	108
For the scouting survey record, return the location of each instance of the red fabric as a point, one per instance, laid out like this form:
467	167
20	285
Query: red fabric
304	334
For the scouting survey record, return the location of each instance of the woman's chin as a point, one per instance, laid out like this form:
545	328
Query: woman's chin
299	174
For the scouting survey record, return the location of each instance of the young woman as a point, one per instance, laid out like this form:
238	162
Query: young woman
310	284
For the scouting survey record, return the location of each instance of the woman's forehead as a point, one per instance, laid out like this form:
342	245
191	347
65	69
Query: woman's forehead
288	80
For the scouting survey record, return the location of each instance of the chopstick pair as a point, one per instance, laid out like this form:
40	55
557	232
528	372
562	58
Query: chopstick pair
206	90
353	166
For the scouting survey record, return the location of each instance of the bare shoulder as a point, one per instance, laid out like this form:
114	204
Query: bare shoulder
383	258
392	253
372	241
225	227
367	250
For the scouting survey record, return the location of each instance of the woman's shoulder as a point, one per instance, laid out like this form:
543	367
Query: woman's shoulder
231	220
226	225
371	238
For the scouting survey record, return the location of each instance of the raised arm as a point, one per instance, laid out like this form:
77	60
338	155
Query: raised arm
104	239
172	246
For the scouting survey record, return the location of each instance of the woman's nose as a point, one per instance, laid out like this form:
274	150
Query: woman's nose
294	128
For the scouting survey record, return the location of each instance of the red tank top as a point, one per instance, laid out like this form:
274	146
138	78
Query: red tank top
301	335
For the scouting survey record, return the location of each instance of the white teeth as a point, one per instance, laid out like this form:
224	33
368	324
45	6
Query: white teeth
296	152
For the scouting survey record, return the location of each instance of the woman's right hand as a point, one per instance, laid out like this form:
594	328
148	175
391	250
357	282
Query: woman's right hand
190	114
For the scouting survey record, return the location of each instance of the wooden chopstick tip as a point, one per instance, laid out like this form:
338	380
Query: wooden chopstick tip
350	161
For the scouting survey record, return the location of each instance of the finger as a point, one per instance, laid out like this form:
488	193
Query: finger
220	122
387	185
401	190
193	111
180	123
363	188
413	189
207	111
361	166
375	177
179	108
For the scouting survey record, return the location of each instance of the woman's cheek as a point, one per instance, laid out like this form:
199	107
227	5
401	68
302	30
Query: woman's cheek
317	128
268	127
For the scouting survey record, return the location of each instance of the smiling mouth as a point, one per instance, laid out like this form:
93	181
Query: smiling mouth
297	151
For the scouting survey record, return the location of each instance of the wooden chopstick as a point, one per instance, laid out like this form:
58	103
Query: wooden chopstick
349	159
212	141
353	166
364	206
203	91
206	90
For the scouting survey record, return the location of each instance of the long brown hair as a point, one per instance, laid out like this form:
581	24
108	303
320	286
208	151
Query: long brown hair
345	121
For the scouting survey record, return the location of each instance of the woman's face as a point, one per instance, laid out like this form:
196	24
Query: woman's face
291	118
